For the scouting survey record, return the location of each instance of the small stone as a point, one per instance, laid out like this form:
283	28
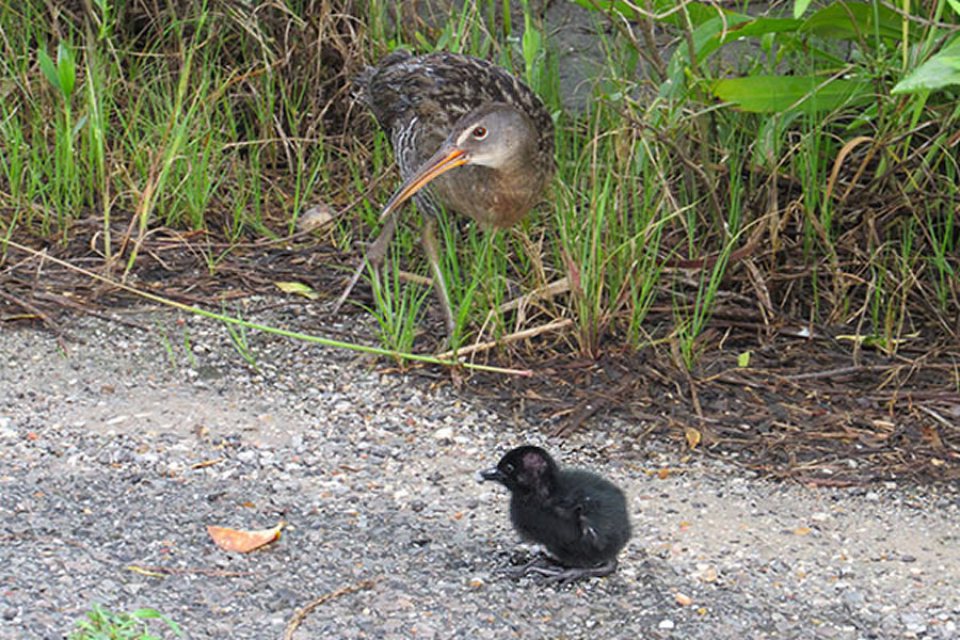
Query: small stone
418	505
666	625
443	433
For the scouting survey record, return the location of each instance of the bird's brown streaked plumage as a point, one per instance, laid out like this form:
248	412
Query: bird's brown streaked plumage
467	135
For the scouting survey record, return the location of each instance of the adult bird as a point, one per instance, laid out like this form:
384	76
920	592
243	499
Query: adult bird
467	135
580	517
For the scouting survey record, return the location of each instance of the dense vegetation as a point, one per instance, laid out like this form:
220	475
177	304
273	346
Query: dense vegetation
794	172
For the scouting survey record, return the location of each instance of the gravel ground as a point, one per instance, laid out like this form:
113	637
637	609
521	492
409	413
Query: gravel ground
116	456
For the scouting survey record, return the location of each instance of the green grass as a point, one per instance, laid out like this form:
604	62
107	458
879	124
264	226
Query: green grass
831	134
103	624
397	305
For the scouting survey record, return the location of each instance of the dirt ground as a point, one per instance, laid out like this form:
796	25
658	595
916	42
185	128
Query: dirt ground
124	438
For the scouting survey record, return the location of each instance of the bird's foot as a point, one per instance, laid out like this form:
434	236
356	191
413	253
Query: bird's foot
557	574
540	561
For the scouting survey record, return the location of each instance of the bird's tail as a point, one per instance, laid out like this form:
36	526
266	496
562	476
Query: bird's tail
360	85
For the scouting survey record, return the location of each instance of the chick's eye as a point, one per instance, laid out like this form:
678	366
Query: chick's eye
479	133
508	468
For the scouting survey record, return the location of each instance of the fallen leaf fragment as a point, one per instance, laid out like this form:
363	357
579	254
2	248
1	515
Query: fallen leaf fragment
206	463
145	572
316	217
802	531
693	437
298	288
242	541
683	599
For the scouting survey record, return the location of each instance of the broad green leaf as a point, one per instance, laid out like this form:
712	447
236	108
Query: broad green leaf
67	69
715	33
776	94
743	359
800	7
853	20
705	41
697	12
609	6
48	68
955	5
941	70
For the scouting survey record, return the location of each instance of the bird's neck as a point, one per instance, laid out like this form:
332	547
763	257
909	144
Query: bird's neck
518	189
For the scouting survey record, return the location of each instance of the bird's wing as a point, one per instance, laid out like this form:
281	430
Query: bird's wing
579	509
587	529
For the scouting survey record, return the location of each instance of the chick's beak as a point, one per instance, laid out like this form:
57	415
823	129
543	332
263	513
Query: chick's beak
448	157
490	474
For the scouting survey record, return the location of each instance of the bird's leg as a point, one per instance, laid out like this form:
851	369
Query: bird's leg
566	575
374	256
429	240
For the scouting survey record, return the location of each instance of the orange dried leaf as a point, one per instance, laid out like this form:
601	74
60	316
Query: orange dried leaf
802	531
683	599
242	541
663	473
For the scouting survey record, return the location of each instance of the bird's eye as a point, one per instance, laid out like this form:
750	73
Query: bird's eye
508	468
479	133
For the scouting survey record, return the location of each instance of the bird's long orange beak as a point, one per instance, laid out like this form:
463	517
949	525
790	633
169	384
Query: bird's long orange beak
448	157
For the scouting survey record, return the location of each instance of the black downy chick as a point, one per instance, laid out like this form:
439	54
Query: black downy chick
578	516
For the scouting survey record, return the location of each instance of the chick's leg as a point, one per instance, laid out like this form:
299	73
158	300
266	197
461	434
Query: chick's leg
566	575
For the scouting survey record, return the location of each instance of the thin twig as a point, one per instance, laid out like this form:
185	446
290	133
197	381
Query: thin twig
842	371
301	615
296	335
556	325
47	320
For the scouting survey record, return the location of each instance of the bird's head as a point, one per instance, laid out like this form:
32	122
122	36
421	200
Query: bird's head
495	135
526	469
